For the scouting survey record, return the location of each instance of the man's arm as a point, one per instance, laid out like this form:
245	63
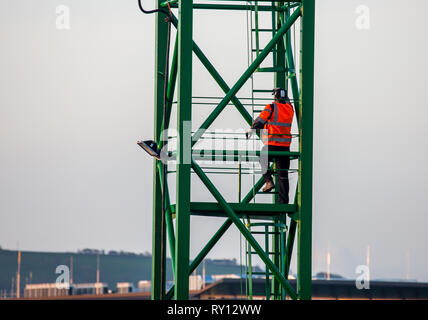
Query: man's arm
258	123
261	120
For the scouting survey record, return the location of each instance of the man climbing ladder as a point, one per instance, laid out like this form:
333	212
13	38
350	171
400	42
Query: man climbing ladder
276	120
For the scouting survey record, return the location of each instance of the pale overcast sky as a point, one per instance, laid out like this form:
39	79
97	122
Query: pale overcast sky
74	102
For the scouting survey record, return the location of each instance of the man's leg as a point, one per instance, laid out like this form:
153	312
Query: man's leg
282	166
264	163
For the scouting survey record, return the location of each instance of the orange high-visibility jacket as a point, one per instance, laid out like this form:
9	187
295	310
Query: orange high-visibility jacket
276	119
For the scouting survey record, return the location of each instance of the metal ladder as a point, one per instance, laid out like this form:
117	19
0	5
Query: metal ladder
277	231
256	46
274	231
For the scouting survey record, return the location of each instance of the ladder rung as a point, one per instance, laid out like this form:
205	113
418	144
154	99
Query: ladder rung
266	192
254	252
262	232
271	69
260	50
259	273
259	110
263	90
262	30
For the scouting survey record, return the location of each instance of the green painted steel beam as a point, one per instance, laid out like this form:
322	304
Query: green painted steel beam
267	282
243	153
231	7
280	60
280	78
243	229
160	59
236	155
256	23
156	238
251	153
239	207
304	240
222	214
289	246
252	210
274	10
279	1
172	80
227	157
291	66
184	129
170	95
170	91
246	75
277	248
168	218
173	3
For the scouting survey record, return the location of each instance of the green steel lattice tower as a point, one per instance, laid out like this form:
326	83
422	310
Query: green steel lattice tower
296	217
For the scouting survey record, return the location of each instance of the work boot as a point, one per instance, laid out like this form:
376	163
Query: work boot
269	186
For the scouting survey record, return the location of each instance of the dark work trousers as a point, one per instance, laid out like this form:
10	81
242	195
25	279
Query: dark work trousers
282	166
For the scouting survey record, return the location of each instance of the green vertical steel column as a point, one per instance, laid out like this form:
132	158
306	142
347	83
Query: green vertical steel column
160	59
268	288
280	57
304	240
184	135
280	81
170	89
292	69
168	218
289	246
277	259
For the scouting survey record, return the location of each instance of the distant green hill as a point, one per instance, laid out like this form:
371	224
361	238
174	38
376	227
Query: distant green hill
39	267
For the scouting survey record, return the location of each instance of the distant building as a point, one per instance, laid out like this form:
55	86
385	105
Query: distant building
144	286
217	277
43	290
233	289
91	251
40	290
324	276
222	262
321	289
395	280
89	288
125	287
195	282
